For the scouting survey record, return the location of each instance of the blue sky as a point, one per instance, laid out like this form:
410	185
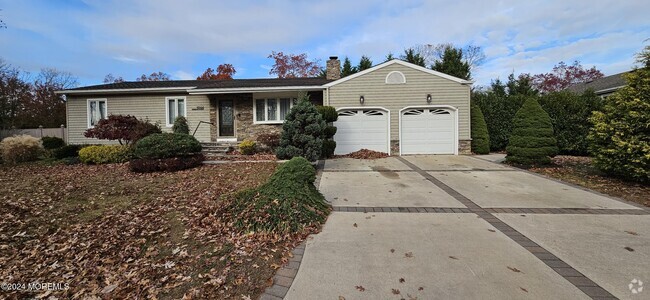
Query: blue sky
91	38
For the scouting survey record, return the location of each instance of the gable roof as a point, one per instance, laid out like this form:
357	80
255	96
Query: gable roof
199	85
600	85
403	63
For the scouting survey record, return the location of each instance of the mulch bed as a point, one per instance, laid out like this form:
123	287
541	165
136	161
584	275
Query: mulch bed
579	170
109	233
237	156
364	154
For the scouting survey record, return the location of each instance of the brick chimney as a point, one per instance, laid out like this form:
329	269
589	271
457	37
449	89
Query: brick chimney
333	68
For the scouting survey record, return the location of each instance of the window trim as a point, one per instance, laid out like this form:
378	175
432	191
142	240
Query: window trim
398	72
277	109
184	98
88	109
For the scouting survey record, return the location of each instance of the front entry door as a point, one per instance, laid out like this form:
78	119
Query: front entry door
226	118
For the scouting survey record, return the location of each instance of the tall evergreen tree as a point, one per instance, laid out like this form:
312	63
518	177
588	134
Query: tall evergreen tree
452	63
389	57
364	63
413	57
532	140
347	68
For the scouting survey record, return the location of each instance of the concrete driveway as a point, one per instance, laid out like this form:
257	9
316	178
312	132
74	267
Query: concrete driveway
458	227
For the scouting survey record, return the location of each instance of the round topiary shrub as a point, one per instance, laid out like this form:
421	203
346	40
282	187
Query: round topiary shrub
164	145
302	132
166	152
52	142
532	140
480	136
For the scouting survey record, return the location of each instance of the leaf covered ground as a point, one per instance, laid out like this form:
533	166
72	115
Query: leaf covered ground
108	233
579	170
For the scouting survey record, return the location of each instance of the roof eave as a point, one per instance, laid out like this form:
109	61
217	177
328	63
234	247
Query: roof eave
255	89
127	91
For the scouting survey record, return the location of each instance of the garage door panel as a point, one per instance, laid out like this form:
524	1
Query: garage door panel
361	129
428	131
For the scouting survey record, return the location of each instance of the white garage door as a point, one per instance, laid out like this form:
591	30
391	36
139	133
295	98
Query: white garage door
361	129
428	131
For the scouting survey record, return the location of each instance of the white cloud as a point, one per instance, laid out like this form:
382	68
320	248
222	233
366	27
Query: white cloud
183	75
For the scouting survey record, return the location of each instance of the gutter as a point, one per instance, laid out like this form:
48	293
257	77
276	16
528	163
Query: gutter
122	91
254	89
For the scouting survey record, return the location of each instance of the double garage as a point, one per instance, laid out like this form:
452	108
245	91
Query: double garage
422	130
399	105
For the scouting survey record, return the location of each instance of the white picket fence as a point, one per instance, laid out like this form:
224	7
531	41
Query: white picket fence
60	132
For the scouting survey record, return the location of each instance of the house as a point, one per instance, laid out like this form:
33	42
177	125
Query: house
603	87
397	105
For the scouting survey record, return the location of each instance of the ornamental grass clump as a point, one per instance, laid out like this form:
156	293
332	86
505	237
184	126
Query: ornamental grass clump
288	203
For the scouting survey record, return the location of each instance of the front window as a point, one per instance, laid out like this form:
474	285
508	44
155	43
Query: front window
272	110
96	111
175	108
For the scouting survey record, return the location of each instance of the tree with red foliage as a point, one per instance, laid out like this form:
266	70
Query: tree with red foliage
224	71
126	129
293	66
564	75
155	76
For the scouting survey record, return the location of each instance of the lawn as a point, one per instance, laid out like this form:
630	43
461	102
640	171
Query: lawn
579	170
106	232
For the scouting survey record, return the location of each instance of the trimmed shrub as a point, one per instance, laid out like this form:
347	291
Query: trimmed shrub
302	132
328	113
180	125
480	136
104	154
532	140
270	141
328	148
166	145
125	129
288	203
498	110
52	142
66	151
20	148
329	132
171	164
570	115
620	137
247	147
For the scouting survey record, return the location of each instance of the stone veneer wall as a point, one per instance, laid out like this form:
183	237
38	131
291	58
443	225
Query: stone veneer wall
244	127
464	147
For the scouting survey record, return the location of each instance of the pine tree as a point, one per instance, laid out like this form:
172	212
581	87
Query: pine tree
364	63
452	64
347	68
532	140
413	57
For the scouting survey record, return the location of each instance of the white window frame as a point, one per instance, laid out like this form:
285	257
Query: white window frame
175	98
266	107
105	100
395	72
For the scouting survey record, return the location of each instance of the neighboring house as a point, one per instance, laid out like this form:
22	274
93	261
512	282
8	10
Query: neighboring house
395	105
603	87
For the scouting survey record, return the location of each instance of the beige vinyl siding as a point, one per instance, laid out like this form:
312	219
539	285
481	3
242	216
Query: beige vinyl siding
149	106
397	96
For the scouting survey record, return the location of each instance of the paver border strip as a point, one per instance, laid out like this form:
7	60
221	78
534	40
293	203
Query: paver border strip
284	277
573	276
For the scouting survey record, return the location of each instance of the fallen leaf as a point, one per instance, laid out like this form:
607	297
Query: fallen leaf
401	280
523	289
341	298
392	250
360	288
355	225
514	269
108	288
395	291
408	254
491	230
631	232
629	249
420	289
453	257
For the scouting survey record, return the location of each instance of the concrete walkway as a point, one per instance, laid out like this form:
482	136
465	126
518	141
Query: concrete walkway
459	227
